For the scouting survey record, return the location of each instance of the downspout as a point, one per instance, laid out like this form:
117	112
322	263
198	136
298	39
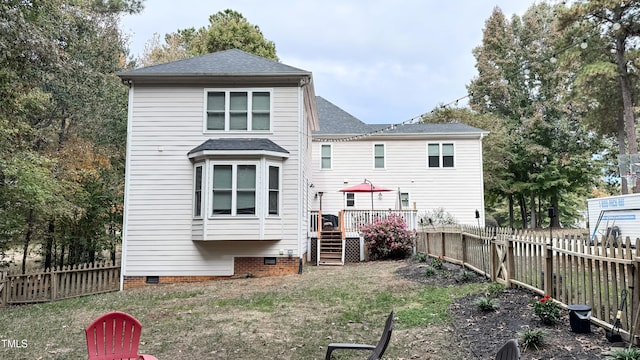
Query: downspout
482	211
126	184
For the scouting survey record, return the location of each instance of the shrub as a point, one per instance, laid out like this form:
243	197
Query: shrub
465	276
625	354
532	339
436	263
388	238
547	310
429	271
420	257
487	304
494	289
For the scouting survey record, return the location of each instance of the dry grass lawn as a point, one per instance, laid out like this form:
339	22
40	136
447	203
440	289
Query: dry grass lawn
287	317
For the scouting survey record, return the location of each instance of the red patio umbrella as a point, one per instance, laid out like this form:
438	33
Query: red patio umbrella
366	186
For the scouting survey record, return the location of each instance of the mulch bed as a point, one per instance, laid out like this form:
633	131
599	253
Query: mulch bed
484	333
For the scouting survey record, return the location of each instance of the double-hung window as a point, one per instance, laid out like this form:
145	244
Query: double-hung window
440	155
234	189
351	199
274	190
238	110
197	203
378	156
325	156
404	200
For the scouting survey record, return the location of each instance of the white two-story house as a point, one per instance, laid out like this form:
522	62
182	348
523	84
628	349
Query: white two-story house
230	155
218	168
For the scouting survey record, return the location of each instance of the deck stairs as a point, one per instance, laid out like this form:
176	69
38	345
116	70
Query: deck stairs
331	247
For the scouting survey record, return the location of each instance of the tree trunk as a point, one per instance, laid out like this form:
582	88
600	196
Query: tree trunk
622	149
48	246
61	260
27	240
627	101
523	210
555	203
532	206
511	220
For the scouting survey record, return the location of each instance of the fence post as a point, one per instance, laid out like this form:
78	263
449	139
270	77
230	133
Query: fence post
442	249
4	290
635	296
511	267
464	248
548	268
495	263
54	283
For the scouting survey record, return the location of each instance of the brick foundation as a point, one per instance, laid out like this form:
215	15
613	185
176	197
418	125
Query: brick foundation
255	266
243	267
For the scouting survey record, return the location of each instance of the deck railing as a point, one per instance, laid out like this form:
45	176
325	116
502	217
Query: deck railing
353	220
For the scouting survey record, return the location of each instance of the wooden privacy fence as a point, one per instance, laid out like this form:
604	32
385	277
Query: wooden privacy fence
57	284
566	266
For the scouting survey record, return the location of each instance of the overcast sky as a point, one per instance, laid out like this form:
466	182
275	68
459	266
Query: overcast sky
381	61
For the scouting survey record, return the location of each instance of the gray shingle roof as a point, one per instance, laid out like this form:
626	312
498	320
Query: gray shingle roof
239	144
335	121
232	62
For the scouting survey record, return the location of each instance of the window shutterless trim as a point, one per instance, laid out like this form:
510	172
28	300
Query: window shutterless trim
226	110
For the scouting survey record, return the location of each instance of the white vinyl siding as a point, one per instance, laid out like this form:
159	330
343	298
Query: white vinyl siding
458	190
237	110
160	225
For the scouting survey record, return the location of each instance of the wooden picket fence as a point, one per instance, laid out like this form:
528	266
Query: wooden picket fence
564	265
58	283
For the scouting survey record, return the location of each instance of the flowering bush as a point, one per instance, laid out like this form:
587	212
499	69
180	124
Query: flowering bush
547	310
388	238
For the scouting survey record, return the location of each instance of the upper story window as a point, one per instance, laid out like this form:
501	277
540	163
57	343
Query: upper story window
378	156
440	155
235	110
325	156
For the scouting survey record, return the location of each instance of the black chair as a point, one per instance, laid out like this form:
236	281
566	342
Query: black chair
376	350
509	351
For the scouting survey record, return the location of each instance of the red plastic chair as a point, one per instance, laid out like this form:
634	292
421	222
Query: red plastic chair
115	336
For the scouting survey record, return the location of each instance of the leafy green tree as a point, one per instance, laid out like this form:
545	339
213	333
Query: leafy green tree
228	29
521	83
614	60
60	93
